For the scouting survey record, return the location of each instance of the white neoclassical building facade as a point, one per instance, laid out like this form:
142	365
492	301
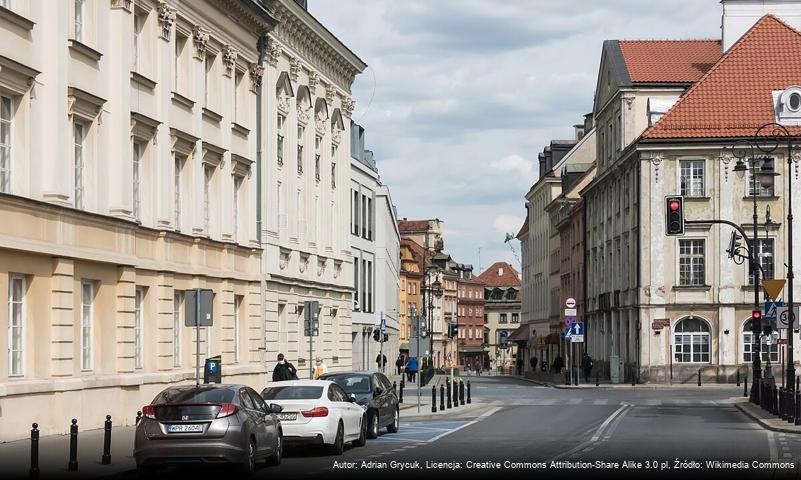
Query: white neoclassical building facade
128	143
306	201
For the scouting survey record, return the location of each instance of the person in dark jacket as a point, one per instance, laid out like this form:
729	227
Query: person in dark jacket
378	361
399	363
558	363
533	363
586	366
520	366
284	370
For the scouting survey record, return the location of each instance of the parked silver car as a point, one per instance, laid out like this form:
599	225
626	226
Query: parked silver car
209	424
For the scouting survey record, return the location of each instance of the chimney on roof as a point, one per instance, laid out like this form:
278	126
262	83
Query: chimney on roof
741	15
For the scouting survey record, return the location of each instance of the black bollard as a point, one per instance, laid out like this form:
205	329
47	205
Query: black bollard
699	377
433	399
633	376
461	392
34	470
738	378
596	379
455	394
72	466
745	387
442	398
138	417
448	393
400	397
468	391
107	442
395	387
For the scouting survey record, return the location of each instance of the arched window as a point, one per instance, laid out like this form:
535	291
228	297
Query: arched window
748	345
691	342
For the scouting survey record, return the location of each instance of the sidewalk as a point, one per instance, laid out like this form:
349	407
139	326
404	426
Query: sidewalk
54	455
765	419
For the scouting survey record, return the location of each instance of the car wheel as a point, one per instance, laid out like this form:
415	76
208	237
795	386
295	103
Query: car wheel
339	442
372	424
362	441
275	458
249	464
393	427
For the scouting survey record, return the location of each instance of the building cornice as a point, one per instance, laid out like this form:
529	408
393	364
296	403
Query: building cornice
301	32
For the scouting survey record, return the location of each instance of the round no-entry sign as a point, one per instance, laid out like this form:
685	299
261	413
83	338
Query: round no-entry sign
570	302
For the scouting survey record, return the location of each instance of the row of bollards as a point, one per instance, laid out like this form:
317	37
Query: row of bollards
445	395
72	464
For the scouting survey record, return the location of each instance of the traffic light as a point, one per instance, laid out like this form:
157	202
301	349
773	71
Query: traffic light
386	337
756	319
455	330
674	215
734	244
377	335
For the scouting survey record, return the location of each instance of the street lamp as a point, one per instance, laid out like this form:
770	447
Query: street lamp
767	140
434	289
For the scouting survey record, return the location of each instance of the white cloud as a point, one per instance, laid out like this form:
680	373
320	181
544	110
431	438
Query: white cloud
507	224
515	164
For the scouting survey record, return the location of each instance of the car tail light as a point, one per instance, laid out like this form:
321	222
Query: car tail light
227	409
315	412
149	411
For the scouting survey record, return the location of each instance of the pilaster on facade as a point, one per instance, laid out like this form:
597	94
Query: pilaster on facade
62	318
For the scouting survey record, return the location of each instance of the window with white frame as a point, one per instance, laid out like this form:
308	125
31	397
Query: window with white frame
281	135
301	134
139	19
208	175
237	319
78	19
177	322
180	45
504	318
237	188
78	139
692	178
179	166
138	152
691	263
5	3
16	325
139	346
691	341
764	252
238	114
87	324
763	190
318	140
208	62
6	119
515	318
765	350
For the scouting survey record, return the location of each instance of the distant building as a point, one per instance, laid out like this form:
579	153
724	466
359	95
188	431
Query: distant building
501	312
472	342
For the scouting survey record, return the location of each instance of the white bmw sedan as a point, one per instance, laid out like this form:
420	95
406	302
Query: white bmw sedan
317	412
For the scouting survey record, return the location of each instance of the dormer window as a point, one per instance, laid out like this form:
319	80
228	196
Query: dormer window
788	105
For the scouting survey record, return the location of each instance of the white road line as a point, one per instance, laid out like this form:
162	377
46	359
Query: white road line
609	420
574	401
478	419
604	401
611	429
774	454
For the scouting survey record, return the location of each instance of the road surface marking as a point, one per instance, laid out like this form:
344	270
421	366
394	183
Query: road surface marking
604	401
484	415
609	420
574	401
774	454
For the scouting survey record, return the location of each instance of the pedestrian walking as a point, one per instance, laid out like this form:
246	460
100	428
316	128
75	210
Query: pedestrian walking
411	369
284	370
520	366
320	368
477	367
533	363
558	363
586	366
399	364
381	364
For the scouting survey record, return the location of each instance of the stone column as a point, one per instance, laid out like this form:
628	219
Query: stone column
164	322
120	153
63	330
125	305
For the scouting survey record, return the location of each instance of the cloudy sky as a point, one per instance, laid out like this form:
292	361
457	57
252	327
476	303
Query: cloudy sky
461	95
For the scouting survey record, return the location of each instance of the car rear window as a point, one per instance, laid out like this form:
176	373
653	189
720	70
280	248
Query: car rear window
292	392
194	395
352	383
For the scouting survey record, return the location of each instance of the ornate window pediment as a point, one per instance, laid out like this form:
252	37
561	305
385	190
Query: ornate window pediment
183	144
143	128
240	165
320	115
83	104
212	154
283	90
303	104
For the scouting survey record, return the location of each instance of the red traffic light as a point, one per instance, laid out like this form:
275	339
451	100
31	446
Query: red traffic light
674	205
756	314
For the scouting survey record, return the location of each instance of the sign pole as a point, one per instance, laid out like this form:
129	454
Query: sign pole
197	337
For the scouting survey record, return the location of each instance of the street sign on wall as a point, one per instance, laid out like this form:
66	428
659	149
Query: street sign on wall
570	302
784	318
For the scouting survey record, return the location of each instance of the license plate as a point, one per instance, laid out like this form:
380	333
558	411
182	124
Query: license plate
185	428
287	416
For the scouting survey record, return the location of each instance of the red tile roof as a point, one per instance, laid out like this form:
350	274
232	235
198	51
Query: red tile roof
412	225
669	61
523	229
735	97
509	278
417	252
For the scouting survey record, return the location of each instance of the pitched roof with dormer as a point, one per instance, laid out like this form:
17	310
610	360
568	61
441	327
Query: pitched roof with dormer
735	97
500	274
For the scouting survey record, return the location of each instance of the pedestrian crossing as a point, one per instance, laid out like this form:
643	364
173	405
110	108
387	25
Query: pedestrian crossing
669	402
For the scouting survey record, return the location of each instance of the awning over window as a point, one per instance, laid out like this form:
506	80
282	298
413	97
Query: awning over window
520	335
553	339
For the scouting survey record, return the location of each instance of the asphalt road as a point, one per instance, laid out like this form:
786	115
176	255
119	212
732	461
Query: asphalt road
521	429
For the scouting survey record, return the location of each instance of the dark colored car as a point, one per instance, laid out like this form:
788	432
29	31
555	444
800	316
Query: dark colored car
374	391
208	424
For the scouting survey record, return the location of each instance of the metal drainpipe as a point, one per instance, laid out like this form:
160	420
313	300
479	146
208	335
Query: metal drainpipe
639	274
261	46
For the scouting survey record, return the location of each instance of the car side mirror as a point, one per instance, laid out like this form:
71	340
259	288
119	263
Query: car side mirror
352	398
275	408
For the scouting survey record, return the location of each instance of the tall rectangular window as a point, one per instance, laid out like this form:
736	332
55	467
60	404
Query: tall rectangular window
16	325
5	144
177	323
180	42
281	135
139	348
356	285
137	162
87	320
692	178
333	175
78	138
364	216
317	142
237	320
504	318
515	318
208	173
139	24
762	191
691	263
764	252
238	76
354	215
301	133
363	286
78	19
237	185
208	65
370	207
370	278
177	189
